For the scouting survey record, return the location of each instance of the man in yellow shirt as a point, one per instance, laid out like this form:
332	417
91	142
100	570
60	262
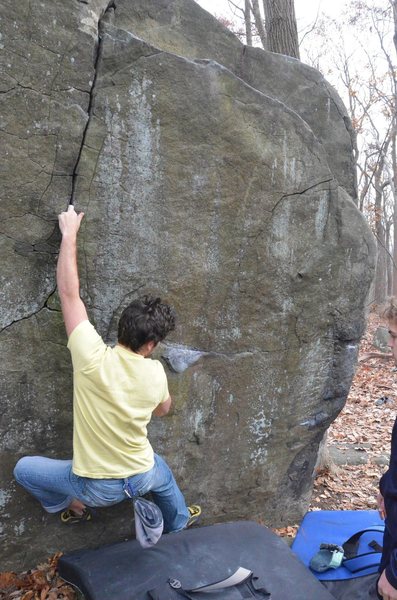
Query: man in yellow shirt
115	393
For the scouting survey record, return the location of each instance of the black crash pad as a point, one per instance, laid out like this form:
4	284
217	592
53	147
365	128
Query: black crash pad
196	557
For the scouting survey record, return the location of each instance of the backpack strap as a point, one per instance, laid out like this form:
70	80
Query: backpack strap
240	577
331	556
356	563
350	547
361	562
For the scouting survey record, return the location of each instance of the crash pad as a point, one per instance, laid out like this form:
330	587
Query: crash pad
194	557
335	527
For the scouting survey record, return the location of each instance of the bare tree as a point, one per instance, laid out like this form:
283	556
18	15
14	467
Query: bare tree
248	22
365	75
259	22
393	4
273	24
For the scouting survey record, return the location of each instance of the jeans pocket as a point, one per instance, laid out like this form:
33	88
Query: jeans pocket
141	483
103	492
78	484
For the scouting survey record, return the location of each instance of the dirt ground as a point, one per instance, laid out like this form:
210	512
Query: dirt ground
362	428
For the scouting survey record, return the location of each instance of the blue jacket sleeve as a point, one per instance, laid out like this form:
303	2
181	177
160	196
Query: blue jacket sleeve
388	489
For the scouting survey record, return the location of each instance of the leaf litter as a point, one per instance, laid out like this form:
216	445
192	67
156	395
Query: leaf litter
41	583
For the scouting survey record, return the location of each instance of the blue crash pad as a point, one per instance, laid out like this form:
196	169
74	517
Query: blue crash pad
335	527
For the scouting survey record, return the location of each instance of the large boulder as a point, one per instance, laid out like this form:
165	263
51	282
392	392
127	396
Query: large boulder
217	176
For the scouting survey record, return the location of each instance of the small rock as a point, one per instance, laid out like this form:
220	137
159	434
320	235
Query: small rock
381	460
383	400
381	339
348	456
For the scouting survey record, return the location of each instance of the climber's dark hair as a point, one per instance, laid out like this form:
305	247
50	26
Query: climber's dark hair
145	320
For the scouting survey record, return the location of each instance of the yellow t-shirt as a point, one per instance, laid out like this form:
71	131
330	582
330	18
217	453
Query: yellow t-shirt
114	394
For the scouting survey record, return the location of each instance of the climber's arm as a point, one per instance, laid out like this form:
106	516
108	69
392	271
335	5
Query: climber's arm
163	409
73	308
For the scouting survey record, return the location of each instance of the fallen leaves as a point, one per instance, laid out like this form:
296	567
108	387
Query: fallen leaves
286	532
42	583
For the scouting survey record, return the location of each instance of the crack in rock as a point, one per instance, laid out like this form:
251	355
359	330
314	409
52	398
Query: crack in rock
301	192
98	57
34	313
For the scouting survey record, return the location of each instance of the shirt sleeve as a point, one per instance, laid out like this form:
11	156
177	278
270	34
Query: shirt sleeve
164	388
86	346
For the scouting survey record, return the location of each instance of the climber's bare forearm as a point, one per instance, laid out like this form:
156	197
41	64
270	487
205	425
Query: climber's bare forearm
73	308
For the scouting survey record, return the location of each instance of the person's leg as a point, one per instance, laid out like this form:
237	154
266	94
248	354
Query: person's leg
50	481
160	482
168	497
387	547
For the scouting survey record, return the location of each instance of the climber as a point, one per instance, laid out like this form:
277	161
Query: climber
115	393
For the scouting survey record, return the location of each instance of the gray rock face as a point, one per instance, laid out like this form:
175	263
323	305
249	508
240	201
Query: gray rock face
216	176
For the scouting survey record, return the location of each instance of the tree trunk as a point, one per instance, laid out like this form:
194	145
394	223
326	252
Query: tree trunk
259	22
394	156
394	190
381	267
389	262
281	28
394	6
381	264
248	23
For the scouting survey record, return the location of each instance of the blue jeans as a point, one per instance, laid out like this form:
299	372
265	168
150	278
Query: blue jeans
55	485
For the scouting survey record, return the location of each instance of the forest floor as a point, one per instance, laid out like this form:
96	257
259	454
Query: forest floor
361	434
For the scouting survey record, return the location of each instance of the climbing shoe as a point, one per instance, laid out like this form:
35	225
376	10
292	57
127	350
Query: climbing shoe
194	515
70	518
